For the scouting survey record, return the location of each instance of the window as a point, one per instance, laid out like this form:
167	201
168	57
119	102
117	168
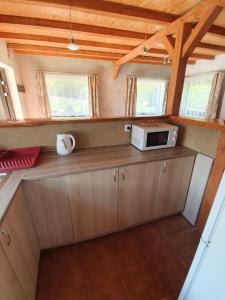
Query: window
151	94
195	97
6	105
68	95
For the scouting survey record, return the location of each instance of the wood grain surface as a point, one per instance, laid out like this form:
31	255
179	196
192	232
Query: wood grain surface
100	158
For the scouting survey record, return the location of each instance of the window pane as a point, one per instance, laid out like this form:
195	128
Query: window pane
68	95
195	96
150	96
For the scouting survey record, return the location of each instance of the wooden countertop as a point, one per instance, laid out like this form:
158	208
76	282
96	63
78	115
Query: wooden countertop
99	158
8	190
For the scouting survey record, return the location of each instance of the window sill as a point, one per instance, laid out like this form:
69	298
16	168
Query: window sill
211	124
38	122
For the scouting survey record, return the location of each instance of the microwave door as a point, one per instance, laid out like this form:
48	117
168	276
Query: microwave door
157	139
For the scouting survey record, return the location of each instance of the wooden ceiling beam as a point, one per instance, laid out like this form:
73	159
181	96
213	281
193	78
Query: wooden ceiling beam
194	15
62	40
200	29
108	8
169	44
178	70
215	47
113	9
86	56
81	53
76	27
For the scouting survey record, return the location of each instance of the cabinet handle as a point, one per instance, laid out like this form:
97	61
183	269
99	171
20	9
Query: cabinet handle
123	174
5	232
164	167
114	175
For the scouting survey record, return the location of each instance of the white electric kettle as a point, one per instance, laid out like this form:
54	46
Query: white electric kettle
65	143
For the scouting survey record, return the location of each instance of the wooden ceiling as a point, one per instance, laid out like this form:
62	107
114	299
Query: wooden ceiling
103	29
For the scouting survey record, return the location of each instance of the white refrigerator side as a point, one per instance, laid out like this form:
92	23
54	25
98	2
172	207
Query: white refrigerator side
205	279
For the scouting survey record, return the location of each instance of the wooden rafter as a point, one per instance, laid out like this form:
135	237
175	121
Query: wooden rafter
169	43
108	8
149	43
193	16
76	27
63	40
36	50
200	29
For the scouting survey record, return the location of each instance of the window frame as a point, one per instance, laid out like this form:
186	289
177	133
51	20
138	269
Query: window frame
90	115
195	76
166	80
5	96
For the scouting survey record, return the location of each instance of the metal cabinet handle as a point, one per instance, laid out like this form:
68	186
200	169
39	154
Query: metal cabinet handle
164	167
114	175
123	174
5	232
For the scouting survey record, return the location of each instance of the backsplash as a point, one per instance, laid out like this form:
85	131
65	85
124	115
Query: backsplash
102	134
86	135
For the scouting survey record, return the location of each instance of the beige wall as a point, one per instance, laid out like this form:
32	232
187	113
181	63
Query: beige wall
111	92
203	140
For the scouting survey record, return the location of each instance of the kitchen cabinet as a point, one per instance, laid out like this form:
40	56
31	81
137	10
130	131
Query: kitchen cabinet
174	181
138	187
94	202
19	241
50	209
10	287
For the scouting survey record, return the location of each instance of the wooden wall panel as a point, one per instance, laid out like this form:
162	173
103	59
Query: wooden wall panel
213	183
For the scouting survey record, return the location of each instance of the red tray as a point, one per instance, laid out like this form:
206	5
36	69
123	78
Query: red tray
20	158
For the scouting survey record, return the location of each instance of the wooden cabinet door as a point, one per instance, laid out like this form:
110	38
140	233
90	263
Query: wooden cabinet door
138	186
49	205
94	202
20	243
10	288
174	181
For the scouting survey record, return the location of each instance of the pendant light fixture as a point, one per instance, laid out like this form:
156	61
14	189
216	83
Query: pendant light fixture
72	45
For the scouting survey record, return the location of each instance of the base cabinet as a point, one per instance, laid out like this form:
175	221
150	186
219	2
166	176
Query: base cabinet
94	202
84	205
174	181
50	208
10	288
19	242
138	187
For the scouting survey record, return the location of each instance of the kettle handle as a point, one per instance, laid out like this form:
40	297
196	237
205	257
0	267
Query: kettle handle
73	140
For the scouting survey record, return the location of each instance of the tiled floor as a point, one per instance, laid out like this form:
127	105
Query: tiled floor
148	262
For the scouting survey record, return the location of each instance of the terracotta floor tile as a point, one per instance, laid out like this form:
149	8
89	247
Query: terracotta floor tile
148	262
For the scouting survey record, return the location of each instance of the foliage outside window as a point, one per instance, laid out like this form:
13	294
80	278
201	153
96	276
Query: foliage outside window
151	94
68	95
196	95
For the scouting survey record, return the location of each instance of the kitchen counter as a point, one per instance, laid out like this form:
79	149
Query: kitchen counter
82	161
100	158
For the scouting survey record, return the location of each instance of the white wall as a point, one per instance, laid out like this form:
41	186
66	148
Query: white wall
207	66
111	92
9	62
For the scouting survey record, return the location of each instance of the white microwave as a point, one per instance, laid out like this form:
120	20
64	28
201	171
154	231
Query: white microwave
154	136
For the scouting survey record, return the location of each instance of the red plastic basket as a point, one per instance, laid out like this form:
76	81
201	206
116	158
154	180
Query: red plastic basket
20	158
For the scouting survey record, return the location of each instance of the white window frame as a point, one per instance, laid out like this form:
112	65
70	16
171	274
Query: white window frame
183	104
48	100
164	100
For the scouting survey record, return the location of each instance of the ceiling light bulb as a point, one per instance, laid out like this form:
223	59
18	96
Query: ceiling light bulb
73	46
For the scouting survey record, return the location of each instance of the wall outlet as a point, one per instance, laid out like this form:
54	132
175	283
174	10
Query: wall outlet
128	127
